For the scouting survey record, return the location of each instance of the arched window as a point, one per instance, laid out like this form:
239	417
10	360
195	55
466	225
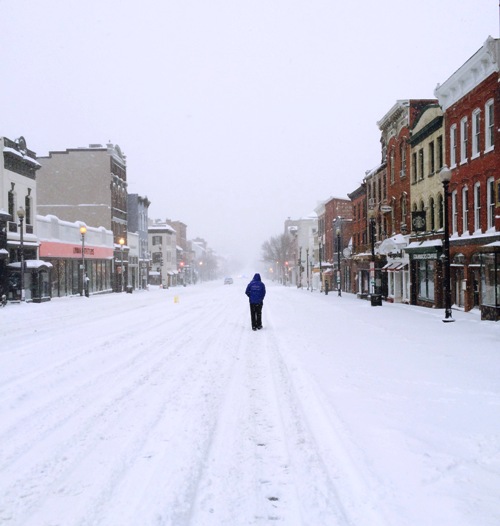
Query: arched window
432	214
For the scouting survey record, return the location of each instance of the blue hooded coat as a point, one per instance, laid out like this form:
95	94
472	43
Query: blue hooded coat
256	290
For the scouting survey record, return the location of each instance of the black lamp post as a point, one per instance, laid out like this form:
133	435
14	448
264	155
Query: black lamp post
307	267
83	231
320	254
20	214
121	241
375	297
339	278
445	176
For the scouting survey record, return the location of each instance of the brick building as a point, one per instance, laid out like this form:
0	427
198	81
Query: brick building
470	101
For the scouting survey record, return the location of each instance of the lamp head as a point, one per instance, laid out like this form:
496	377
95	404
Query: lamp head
121	241
445	174
83	230
21	213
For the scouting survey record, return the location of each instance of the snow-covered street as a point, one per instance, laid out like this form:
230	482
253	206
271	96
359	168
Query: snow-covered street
163	407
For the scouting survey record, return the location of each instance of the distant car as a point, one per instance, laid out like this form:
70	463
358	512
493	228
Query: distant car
228	281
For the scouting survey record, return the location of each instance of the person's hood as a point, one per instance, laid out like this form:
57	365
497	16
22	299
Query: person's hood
256	277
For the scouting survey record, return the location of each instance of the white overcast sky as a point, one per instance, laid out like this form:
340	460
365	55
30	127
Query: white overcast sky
233	114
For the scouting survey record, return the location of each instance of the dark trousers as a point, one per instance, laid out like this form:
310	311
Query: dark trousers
256	315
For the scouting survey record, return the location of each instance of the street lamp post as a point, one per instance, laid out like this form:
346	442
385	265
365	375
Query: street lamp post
375	297
339	278
20	214
371	219
122	242
445	176
307	267
320	254
83	231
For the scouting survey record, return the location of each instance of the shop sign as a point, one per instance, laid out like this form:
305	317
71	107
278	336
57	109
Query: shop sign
418	221
427	255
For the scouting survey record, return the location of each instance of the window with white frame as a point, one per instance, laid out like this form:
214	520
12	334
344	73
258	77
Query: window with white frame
490	191
476	132
402	155
453	145
465	209
392	167
464	131
489	124
454	212
477	206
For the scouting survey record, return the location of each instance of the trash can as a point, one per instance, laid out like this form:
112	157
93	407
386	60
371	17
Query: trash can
376	300
129	289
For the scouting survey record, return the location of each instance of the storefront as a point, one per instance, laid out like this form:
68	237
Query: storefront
36	281
396	270
81	263
426	272
490	282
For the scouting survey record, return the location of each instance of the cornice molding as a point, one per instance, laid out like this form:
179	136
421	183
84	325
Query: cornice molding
470	75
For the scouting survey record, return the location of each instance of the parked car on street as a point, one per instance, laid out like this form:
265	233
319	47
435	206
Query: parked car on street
228	281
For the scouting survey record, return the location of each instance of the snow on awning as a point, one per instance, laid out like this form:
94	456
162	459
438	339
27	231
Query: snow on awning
31	264
419	247
491	247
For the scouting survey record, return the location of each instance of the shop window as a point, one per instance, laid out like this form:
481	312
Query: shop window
426	270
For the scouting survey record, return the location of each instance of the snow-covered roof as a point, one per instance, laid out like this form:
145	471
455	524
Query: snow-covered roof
24	157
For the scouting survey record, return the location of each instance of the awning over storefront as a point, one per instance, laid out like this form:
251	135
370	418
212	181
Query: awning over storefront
31	264
394	266
424	247
491	247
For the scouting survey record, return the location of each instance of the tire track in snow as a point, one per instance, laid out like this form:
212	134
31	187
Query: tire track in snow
98	424
246	471
319	447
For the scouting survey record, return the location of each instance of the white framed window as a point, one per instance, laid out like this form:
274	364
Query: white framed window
453	145
402	155
477	206
454	212
476	132
392	167
489	125
490	193
465	209
464	132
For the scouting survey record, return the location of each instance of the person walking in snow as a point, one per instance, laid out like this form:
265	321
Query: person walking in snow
256	291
